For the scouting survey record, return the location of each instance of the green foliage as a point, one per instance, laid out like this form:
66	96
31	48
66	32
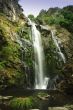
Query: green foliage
31	17
67	22
22	103
24	32
11	72
63	17
42	94
53	61
21	16
10	52
2	65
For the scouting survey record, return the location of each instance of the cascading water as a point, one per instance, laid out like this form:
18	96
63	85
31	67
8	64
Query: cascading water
41	81
55	39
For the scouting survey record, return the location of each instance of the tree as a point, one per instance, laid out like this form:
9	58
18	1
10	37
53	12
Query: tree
31	17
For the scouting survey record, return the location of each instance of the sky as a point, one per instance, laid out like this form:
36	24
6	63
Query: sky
34	6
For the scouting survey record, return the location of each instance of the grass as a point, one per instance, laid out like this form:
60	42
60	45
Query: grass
24	103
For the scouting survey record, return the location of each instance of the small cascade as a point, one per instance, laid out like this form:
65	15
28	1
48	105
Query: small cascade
56	42
41	81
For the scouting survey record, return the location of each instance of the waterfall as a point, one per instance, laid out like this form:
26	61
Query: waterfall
41	81
56	42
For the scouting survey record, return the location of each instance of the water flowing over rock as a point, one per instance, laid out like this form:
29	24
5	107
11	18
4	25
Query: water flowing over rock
40	80
56	42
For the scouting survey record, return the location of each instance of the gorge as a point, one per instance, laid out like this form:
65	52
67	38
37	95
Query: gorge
36	58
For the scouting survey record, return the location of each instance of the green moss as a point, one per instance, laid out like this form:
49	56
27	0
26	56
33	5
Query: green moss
42	94
11	71
22	103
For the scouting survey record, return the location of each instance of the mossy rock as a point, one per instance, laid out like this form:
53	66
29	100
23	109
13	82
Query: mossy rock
23	103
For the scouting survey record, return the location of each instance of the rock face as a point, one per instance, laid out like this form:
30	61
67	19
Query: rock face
53	64
66	39
12	70
11	9
17	56
15	47
62	20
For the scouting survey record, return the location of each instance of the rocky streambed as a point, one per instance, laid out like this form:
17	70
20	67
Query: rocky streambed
36	100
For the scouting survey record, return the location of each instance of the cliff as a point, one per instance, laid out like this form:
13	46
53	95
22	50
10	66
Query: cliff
61	21
11	9
16	53
12	24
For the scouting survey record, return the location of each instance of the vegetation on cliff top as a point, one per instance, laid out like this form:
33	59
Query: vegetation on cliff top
57	16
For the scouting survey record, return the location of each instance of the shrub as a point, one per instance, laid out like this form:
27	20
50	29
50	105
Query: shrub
22	103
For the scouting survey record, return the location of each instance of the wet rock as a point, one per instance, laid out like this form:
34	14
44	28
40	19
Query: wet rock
34	109
57	108
66	84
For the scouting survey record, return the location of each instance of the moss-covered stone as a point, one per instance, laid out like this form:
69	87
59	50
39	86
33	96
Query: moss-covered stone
11	72
24	103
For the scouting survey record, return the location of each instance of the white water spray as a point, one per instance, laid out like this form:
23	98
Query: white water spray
41	81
